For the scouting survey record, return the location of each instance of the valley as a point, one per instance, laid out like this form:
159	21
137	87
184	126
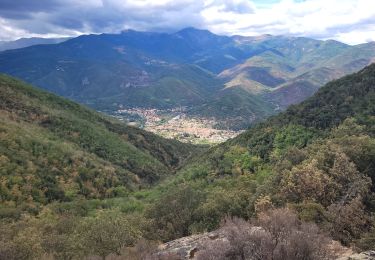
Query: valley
175	124
70	177
229	82
187	145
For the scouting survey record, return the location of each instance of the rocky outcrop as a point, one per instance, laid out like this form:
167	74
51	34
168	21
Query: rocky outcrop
368	255
187	247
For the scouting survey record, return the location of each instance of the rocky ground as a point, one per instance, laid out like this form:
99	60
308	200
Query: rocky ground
368	255
189	247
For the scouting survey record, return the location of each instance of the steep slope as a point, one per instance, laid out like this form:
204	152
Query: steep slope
350	96
234	108
132	69
317	158
292	69
54	149
299	178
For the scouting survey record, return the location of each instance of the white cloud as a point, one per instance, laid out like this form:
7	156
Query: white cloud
357	36
346	20
351	21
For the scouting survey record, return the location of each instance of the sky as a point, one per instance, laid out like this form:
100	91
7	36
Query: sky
349	21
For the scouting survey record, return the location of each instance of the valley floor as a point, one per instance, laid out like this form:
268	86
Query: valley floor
176	124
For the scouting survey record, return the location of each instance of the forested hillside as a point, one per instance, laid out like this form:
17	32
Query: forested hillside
317	158
302	178
56	150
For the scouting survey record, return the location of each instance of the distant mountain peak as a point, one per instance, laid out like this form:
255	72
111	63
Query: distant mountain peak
190	30
128	30
26	42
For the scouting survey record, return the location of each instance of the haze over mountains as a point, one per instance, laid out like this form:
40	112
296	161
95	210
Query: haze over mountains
26	42
236	80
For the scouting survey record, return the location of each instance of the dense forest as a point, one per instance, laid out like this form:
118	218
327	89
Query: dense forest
75	183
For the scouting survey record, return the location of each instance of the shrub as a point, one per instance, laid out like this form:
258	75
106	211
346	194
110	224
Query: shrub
276	234
173	213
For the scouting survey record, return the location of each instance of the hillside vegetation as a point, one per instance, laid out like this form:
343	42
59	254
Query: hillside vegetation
317	158
305	176
56	150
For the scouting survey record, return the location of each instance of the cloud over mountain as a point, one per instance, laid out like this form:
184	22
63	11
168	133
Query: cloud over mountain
351	21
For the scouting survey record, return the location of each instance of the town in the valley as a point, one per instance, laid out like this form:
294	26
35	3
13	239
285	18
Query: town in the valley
175	124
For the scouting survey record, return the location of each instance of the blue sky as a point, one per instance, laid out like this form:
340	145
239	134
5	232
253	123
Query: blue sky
349	21
265	3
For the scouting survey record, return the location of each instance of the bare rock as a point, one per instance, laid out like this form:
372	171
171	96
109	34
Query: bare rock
187	247
368	255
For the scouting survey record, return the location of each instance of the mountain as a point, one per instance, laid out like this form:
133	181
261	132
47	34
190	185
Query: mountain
128	65
55	150
349	96
298	185
316	159
235	80
292	69
26	42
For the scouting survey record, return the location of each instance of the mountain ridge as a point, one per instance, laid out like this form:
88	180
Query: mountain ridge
80	175
26	42
191	68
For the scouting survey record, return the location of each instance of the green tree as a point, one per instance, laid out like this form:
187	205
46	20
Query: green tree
173	213
106	233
